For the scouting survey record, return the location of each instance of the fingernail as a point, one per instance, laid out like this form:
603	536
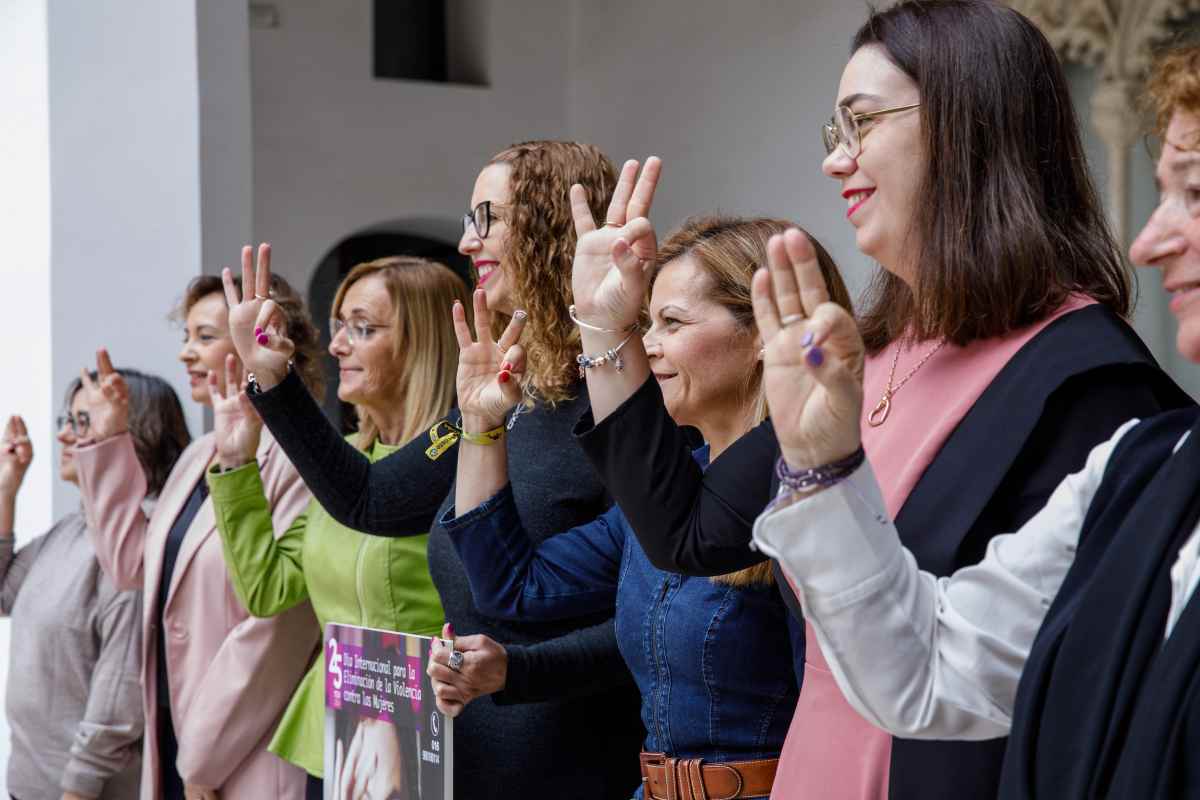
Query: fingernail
450	630
503	376
808	339
519	314
258	331
506	366
263	339
815	357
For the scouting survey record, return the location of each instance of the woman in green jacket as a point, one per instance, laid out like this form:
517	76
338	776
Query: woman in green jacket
397	358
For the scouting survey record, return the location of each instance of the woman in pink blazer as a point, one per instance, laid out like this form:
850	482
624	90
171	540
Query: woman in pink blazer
215	680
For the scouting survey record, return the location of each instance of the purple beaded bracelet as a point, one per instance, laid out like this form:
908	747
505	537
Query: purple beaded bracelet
802	480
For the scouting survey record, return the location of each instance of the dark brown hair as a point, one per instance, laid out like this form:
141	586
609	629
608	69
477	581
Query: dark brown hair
728	250
1174	85
1009	224
541	248
156	424
300	328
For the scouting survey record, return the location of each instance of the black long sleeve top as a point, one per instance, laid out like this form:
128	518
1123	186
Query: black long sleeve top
569	710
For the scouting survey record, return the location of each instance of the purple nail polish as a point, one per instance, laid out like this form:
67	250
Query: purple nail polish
807	340
815	357
263	339
258	331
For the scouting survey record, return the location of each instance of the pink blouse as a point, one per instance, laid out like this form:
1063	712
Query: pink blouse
831	753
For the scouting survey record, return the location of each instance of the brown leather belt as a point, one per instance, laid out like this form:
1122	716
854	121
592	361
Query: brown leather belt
666	778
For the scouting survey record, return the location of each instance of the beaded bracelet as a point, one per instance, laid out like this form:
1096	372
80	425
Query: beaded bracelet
805	480
612	355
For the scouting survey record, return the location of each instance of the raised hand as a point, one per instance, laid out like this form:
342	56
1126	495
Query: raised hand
236	424
813	356
106	398
612	262
257	324
489	372
16	451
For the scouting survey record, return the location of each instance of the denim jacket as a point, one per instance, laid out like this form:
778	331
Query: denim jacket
718	666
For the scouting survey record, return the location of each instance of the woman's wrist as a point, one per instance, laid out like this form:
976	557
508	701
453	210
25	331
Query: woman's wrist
480	423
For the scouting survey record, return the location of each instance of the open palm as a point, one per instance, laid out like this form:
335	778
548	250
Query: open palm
236	425
609	273
812	358
489	372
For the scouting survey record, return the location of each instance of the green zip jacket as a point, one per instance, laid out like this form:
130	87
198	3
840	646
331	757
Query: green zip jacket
362	580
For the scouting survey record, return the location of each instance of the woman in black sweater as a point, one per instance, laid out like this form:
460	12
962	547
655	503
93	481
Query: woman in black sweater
565	712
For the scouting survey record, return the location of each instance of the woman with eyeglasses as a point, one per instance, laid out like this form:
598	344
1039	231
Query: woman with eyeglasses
214	679
74	703
394	344
563	716
1078	636
997	351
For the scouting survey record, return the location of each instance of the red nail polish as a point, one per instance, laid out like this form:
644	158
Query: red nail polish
506	367
503	376
258	331
450	630
263	339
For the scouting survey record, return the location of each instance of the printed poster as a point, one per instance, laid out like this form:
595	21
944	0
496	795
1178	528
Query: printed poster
384	737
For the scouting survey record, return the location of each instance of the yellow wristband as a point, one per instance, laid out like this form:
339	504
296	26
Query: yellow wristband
441	442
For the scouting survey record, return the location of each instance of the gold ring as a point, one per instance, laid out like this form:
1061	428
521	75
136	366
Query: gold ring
614	225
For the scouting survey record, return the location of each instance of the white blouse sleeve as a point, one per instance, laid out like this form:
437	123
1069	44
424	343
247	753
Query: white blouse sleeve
919	656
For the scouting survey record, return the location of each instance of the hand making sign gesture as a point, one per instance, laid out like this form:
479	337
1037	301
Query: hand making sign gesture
106	398
489	372
812	356
612	262
236	425
257	324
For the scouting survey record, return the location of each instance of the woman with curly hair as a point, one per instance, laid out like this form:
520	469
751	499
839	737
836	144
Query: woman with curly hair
1077	636
214	679
555	684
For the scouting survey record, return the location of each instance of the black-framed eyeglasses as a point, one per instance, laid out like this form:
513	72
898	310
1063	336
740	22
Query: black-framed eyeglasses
843	129
480	218
357	330
80	423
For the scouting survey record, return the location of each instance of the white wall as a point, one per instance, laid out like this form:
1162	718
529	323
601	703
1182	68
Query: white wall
25	325
336	151
125	174
730	95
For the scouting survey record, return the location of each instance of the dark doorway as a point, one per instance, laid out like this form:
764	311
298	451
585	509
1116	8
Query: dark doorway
338	262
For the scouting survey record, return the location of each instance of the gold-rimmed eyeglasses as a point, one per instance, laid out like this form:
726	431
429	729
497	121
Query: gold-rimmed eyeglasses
843	129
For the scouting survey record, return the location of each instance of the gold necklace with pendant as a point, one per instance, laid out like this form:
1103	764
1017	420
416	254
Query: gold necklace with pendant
879	414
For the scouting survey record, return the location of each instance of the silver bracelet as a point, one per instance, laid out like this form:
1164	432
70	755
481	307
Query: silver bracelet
612	355
596	328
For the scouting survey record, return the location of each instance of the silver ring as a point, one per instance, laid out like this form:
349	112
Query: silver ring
614	225
258	296
456	661
791	319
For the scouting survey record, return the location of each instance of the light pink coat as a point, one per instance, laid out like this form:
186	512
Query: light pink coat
231	675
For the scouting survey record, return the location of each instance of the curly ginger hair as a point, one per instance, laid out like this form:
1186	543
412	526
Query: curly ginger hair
541	248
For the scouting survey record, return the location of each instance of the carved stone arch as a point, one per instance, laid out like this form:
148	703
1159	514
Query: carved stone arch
1118	38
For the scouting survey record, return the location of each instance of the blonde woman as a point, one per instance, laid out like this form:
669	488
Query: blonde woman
397	357
554	685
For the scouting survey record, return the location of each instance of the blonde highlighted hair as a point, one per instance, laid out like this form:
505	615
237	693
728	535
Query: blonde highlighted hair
423	342
728	251
541	248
